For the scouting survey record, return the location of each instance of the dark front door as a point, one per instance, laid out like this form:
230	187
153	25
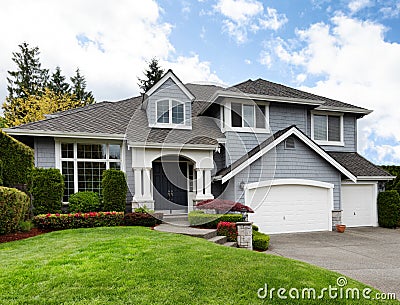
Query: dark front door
170	185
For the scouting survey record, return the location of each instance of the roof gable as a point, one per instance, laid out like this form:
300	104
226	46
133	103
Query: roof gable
273	141
170	75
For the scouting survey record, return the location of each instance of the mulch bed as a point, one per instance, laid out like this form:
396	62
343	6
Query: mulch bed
21	235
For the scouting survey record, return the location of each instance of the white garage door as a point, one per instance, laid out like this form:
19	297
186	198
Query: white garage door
359	205
291	205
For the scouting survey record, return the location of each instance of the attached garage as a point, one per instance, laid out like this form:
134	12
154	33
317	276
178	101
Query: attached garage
359	204
291	205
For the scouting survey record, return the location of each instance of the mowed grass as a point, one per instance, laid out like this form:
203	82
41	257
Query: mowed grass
134	265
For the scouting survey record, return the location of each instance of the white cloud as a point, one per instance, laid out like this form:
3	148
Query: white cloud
265	59
357	5
247	61
191	69
247	15
358	66
272	20
119	37
391	11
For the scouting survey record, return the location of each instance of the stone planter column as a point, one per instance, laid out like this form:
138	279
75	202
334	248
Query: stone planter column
245	235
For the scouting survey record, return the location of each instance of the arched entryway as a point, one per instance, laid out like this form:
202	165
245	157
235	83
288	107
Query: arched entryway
173	184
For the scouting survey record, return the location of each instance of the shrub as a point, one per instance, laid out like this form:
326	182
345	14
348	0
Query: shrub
13	207
47	189
84	202
254	227
143	209
17	160
78	220
1	172
25	226
227	229
260	241
222	205
140	219
388	209
210	221
114	190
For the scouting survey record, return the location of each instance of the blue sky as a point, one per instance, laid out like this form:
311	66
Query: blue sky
348	50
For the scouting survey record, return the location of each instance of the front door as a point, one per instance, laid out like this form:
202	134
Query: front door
170	186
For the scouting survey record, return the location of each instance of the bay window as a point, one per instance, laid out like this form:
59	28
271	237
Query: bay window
82	165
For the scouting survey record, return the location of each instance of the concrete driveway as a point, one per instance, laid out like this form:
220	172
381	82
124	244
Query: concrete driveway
369	255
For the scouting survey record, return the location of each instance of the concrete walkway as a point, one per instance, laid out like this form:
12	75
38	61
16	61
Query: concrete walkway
369	255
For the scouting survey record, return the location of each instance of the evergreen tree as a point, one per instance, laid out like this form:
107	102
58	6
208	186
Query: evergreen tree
29	78
58	84
152	75
79	90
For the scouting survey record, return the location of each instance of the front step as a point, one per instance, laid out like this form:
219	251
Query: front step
219	239
230	244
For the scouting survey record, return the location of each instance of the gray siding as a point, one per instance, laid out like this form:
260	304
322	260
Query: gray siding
168	90
239	143
298	163
44	152
285	115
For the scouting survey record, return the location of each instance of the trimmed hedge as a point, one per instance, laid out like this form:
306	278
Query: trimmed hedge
13	206
388	209
17	159
260	241
78	220
47	189
210	221
140	219
114	189
1	172
227	229
84	202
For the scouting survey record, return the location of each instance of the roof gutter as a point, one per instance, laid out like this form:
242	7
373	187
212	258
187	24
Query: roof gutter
344	109
375	178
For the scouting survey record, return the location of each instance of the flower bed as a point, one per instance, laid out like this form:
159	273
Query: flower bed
78	220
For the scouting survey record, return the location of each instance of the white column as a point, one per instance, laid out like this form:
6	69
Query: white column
146	184
138	183
199	183
207	184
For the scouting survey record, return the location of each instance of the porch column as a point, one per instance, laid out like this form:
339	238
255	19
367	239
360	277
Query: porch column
207	182
199	183
147	184
138	183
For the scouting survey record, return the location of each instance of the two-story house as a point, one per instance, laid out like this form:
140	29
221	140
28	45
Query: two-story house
288	154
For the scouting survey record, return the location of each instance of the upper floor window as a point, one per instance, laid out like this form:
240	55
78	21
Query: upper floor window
244	115
327	129
170	112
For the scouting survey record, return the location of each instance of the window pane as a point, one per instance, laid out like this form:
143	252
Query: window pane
91	151
177	112
89	176
67	150
236	114
115	151
163	111
260	116
67	169
334	128
248	115
115	165
320	127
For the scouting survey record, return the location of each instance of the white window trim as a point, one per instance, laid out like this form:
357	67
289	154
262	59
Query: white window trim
328	143
75	159
227	125
170	124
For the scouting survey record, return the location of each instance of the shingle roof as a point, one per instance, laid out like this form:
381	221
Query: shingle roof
358	165
264	87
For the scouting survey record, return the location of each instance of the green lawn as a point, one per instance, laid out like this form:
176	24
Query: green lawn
134	265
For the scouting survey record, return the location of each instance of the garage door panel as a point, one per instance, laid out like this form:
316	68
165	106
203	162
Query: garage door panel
358	205
290	208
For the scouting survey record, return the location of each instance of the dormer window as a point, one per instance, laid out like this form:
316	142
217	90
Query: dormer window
170	112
